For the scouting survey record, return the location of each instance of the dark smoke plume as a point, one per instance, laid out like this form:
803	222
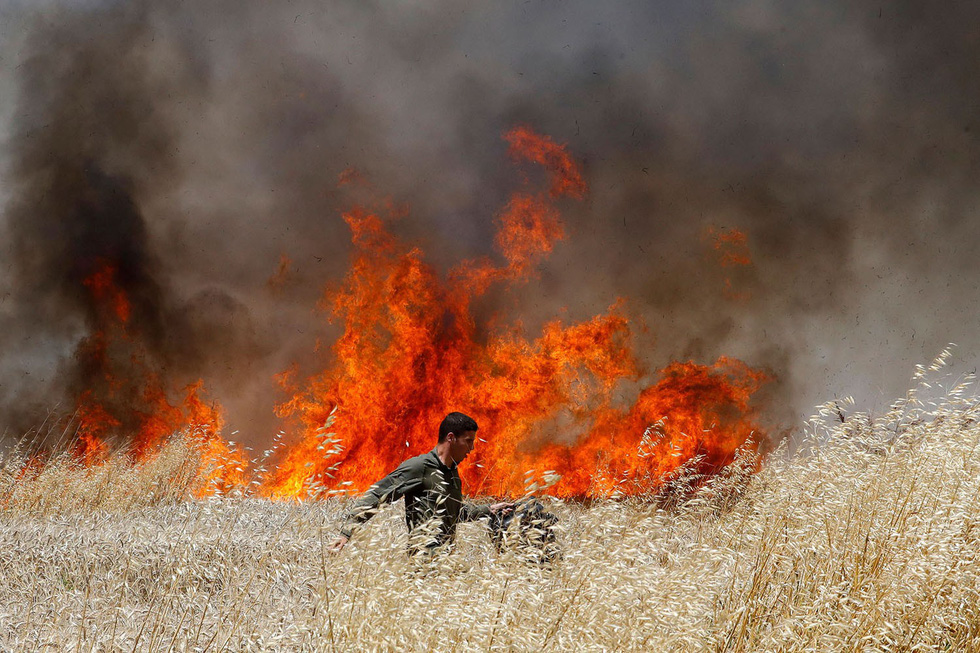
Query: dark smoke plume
92	142
196	145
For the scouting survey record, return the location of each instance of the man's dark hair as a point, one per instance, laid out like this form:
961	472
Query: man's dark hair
456	423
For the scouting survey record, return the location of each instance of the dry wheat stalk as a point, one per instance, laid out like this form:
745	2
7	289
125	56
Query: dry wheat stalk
867	540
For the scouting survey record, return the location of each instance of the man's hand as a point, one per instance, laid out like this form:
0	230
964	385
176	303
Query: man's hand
502	507
338	545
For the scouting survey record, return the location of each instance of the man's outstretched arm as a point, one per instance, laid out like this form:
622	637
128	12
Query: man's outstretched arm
472	511
392	487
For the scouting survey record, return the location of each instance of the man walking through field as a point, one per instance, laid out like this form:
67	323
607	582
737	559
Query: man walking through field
432	490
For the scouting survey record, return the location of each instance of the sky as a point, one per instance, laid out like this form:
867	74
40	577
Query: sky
200	142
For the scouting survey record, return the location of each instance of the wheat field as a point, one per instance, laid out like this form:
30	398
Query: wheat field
864	538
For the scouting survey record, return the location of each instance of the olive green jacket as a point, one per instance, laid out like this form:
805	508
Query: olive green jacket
433	501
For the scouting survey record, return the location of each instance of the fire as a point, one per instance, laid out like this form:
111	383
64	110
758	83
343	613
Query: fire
125	398
566	179
411	351
101	284
731	247
281	276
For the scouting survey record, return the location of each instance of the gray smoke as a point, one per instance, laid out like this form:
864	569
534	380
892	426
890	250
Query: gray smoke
196	144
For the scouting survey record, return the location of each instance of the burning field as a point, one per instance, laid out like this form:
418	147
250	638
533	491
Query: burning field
865	541
411	351
253	255
568	404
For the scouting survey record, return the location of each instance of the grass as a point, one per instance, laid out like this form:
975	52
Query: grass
866	538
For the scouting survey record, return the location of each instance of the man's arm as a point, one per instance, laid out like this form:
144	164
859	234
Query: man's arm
392	487
472	511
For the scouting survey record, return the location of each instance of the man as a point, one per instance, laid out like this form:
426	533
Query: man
432	490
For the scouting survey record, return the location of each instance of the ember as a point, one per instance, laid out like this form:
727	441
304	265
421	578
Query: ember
731	248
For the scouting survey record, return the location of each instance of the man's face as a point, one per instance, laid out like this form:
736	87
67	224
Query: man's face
461	445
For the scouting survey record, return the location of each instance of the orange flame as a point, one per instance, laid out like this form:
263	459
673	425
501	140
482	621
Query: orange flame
731	247
566	179
281	277
102	286
411	351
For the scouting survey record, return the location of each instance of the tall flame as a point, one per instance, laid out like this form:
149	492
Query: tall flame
411	351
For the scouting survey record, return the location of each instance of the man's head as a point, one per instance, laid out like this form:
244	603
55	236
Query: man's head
458	432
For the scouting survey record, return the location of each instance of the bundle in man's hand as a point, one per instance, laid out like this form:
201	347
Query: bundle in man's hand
530	528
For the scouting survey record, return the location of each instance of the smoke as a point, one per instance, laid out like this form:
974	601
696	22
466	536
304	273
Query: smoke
197	144
94	141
